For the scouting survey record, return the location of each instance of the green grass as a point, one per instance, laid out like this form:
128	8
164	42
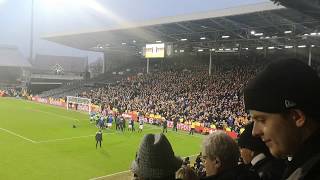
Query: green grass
37	141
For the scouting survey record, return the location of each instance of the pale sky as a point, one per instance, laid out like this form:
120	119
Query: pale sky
64	16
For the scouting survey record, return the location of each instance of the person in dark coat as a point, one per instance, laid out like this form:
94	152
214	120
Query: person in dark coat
256	155
164	126
198	160
117	121
221	154
175	123
98	138
123	124
284	102
132	125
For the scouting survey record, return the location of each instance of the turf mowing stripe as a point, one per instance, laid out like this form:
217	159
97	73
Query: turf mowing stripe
18	135
62	139
123	144
186	134
46	112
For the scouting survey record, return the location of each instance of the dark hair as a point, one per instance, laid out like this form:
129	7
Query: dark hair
309	116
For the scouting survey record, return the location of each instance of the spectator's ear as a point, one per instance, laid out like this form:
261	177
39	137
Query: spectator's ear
298	117
136	177
218	163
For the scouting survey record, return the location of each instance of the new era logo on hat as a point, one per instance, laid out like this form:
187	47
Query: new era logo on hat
284	84
289	104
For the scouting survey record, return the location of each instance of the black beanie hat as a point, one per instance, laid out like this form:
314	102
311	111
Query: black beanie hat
246	140
282	85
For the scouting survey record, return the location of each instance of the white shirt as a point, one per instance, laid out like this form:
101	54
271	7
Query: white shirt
257	158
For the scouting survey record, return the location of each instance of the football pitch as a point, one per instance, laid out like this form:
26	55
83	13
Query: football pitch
38	141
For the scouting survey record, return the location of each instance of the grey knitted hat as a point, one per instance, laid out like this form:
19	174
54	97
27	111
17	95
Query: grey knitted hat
155	158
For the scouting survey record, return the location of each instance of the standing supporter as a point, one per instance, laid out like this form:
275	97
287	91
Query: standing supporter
132	125
110	120
256	155
175	122
98	138
192	125
221	154
155	159
129	125
141	124
164	126
101	122
117	122
284	101
122	122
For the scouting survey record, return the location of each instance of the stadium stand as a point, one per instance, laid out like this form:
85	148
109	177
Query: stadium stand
177	89
13	66
51	72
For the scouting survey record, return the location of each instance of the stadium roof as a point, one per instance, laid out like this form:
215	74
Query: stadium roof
12	57
66	63
263	24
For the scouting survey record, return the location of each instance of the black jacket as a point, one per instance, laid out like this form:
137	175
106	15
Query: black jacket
238	173
269	168
305	164
99	136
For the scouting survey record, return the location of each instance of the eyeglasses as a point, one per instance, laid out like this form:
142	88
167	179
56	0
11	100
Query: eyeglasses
204	157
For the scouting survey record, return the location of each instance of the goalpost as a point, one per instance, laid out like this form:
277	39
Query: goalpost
79	103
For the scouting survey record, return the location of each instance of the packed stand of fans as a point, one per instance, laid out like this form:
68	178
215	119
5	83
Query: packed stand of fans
282	142
184	92
219	159
13	92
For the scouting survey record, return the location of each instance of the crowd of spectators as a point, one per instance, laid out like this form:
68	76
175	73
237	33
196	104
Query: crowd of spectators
185	92
219	160
13	92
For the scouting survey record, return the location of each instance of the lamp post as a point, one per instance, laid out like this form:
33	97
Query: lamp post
31	32
210	62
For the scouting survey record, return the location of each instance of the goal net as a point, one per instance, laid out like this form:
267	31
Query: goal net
78	103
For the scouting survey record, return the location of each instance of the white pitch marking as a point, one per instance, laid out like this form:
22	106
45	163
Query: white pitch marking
62	139
66	117
109	175
18	135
